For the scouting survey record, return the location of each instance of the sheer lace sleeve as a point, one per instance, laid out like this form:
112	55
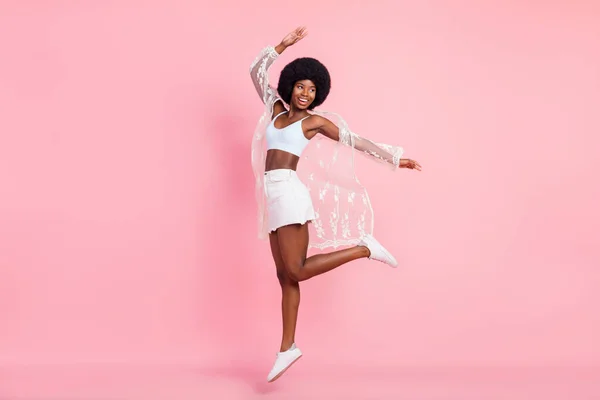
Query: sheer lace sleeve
384	153
259	72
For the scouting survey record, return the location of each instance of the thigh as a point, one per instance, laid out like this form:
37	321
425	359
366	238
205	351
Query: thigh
276	253
293	245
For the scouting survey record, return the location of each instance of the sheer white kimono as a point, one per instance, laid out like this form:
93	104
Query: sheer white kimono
342	206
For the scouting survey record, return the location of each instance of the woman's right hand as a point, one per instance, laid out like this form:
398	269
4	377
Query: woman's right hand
294	36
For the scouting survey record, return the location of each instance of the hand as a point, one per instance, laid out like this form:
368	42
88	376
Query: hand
410	164
294	36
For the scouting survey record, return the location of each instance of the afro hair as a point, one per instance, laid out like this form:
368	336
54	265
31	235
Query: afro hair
300	69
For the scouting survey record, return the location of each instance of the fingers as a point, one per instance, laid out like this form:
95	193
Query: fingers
301	32
411	164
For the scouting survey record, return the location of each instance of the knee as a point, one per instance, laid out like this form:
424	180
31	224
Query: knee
283	276
289	277
294	272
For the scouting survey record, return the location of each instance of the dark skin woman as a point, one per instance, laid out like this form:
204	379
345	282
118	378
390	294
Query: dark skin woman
289	244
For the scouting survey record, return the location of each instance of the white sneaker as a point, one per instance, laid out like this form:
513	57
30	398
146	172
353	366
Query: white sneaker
284	360
378	252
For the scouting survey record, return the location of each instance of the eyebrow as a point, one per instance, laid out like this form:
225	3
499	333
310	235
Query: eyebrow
312	86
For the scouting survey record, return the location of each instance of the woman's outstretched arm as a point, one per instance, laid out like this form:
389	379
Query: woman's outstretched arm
324	126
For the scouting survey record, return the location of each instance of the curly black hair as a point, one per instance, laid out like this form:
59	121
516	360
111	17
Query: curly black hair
300	69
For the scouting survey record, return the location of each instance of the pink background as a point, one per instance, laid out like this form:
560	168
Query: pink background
127	216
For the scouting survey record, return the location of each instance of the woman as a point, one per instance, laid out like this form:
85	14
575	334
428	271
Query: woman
285	200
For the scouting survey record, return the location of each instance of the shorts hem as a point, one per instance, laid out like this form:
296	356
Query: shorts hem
306	221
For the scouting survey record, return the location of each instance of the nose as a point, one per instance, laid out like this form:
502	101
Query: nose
305	92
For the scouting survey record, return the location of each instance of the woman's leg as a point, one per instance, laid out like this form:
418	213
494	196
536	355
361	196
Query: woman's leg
293	246
290	296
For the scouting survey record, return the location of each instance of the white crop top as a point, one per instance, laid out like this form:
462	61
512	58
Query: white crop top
290	139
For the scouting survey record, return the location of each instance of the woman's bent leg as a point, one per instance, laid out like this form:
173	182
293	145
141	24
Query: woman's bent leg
293	247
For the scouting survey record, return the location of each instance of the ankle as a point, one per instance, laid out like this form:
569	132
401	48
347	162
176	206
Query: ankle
366	253
285	346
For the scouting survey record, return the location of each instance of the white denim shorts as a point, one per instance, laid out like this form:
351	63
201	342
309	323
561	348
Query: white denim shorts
288	200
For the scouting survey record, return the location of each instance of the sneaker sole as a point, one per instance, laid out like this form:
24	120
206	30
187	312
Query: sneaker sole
285	369
390	256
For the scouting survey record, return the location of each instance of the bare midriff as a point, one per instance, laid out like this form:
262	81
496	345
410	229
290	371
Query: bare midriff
279	159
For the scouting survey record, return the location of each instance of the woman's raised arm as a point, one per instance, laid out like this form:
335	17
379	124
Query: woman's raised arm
259	69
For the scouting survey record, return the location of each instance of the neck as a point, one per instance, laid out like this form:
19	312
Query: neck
296	112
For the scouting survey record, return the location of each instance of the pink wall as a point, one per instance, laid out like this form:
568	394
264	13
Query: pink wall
126	206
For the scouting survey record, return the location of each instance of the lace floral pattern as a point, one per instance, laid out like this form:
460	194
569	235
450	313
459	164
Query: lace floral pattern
342	207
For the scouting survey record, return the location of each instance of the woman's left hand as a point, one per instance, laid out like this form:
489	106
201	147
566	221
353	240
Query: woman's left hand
410	164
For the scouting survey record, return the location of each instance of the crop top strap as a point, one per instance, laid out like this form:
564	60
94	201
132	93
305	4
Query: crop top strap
277	116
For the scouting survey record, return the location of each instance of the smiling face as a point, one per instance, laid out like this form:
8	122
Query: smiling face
303	94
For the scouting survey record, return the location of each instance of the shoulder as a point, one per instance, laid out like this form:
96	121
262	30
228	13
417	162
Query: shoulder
324	126
278	108
316	121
